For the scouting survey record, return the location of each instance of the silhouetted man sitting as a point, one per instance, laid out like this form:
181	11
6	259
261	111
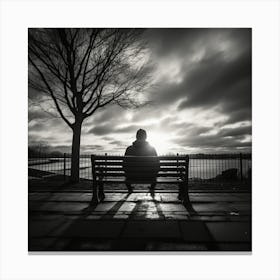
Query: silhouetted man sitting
141	147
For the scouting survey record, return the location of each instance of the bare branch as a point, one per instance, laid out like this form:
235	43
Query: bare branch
51	93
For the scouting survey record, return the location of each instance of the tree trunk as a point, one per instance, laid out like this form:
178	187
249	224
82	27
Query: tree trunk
75	160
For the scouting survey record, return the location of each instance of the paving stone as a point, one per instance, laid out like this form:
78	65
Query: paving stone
121	216
115	197
127	206
38	196
56	207
136	197
152	215
89	245
61	244
92	228
81	197
173	207
235	247
147	206
177	217
154	229
195	231
219	197
172	246
210	218
138	214
40	244
230	231
240	206
40	217
211	207
94	217
180	212
42	228
104	206
169	197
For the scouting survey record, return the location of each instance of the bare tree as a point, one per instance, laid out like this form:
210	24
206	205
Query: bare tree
82	70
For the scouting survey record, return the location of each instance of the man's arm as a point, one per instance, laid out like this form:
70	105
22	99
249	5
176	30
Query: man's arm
125	161
128	151
154	153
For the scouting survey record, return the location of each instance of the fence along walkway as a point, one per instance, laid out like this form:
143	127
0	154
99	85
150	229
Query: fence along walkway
203	168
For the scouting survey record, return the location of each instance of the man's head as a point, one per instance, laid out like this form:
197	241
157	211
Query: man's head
141	135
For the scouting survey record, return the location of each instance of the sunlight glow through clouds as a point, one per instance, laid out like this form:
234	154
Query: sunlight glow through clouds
161	142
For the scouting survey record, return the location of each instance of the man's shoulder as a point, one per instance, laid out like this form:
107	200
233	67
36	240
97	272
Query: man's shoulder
128	149
152	150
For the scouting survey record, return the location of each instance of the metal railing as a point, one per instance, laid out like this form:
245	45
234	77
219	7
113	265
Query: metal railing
44	165
224	168
203	168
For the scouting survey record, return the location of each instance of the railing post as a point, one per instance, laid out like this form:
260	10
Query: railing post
187	202
94	199
187	173
64	166
241	169
185	186
105	164
178	171
101	194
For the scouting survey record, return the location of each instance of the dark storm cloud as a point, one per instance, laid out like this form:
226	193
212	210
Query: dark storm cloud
225	139
34	94
175	41
213	139
220	77
129	128
102	129
110	113
239	115
37	126
108	128
213	142
61	148
117	143
217	82
184	42
242	130
35	115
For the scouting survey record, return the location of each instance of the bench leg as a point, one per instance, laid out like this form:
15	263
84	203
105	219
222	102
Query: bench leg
101	194
181	191
129	188
94	199
185	198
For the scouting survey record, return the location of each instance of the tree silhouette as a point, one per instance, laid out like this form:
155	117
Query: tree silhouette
82	70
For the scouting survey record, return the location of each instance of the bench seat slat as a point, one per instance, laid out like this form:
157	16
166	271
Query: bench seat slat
134	168
139	182
114	163
122	174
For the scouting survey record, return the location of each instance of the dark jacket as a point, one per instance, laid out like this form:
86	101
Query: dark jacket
147	167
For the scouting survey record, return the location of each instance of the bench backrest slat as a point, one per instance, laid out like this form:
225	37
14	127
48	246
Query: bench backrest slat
97	157
138	168
138	174
120	163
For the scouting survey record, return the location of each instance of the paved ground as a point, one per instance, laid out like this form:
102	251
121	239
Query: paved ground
60	219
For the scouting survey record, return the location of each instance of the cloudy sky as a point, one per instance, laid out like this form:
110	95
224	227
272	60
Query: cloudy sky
200	101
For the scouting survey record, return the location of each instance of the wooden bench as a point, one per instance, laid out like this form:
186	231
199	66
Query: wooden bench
140	170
